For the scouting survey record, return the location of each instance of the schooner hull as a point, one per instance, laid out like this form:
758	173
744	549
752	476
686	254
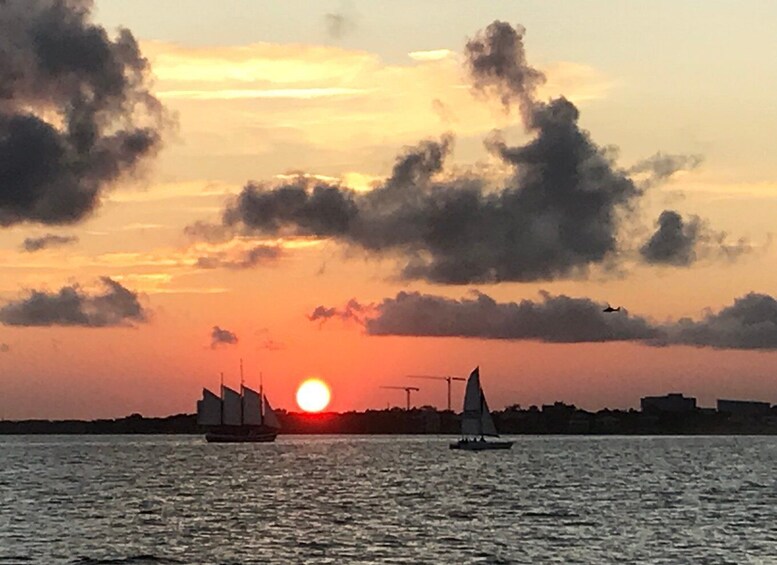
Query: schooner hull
480	445
241	435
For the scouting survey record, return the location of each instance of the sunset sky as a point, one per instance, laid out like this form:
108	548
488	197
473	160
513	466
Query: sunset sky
359	191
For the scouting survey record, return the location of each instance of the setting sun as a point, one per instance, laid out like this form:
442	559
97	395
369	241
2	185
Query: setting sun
313	395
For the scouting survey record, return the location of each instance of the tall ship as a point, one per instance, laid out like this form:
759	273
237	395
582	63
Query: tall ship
476	421
237	417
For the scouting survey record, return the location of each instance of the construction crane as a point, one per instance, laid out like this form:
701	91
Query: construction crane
407	389
449	380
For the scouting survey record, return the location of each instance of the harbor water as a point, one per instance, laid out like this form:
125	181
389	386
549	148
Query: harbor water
387	499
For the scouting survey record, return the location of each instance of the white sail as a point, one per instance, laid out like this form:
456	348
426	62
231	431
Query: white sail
209	409
487	427
252	407
232	406
270	419
471	417
476	419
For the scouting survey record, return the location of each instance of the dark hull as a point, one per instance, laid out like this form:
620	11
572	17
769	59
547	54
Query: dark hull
479	445
240	434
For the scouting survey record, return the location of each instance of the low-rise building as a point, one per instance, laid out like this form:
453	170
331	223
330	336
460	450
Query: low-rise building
744	408
673	402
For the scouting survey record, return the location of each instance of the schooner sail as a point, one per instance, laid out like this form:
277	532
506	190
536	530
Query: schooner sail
244	416
476	420
209	409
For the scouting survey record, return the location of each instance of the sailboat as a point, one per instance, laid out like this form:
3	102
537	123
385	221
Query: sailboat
237	417
476	420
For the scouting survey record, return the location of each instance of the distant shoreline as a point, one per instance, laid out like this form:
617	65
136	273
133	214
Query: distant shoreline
555	419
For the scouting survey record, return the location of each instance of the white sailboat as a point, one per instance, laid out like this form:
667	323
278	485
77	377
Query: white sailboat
237	417
476	420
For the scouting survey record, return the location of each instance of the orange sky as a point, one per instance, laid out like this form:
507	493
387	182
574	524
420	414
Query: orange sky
267	104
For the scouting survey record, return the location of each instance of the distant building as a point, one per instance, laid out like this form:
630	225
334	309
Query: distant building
558	410
580	423
747	408
673	402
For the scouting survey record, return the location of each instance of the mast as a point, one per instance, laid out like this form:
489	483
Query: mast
242	394
261	399
221	396
480	404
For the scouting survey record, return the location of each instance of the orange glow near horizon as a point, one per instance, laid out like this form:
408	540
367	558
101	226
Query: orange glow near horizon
313	395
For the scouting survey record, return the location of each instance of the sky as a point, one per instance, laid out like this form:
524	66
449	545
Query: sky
361	191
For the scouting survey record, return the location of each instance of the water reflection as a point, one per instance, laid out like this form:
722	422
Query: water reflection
375	499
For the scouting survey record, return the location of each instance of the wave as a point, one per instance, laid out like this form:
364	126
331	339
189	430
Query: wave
142	559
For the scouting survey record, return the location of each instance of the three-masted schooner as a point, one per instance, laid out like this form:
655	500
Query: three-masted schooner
476	420
233	417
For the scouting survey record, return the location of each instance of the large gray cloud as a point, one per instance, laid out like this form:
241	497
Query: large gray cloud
558	213
556	216
32	244
71	306
558	319
75	110
750	323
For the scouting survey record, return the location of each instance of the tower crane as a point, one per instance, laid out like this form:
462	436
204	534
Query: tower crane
448	379
407	390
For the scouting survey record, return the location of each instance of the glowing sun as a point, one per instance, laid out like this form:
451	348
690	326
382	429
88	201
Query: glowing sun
313	395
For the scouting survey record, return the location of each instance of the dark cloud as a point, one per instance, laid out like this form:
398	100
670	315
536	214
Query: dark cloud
338	24
662	166
323	313
351	311
32	244
258	255
75	110
71	306
305	206
558	319
750	323
219	336
681	242
674	242
558	213
496	60
416	165
556	216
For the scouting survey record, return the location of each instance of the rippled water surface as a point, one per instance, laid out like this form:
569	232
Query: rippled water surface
165	499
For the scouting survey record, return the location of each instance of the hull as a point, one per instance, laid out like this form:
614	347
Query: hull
239	434
480	445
